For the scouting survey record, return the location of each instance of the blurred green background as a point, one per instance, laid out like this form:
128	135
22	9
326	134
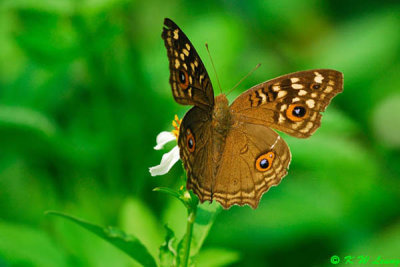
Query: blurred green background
84	92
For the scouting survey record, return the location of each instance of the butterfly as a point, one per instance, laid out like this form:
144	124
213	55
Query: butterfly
230	152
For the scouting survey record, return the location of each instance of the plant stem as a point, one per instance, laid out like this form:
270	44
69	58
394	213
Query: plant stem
189	232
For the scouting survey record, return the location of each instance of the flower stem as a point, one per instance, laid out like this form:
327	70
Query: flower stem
189	231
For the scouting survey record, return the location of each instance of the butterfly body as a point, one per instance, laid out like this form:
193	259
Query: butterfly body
221	117
230	152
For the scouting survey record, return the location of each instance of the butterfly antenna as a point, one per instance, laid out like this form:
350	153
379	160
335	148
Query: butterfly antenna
215	71
241	80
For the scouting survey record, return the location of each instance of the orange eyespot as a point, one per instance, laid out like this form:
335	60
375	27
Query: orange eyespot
264	161
190	143
315	86
297	112
183	79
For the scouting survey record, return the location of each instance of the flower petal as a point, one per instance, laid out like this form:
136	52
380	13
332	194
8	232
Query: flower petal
167	161
163	138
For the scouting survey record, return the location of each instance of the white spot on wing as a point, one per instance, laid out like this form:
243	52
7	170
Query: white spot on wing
297	125
281	94
294	80
177	64
276	88
314	115
318	77
276	141
281	118
310	103
297	86
307	128
328	89
263	96
296	99
302	92
201	78
176	36
283	107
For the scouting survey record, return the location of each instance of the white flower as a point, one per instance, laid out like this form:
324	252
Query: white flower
163	138
168	159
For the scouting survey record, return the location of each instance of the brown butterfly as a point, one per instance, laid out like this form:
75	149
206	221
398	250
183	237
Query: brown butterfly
230	152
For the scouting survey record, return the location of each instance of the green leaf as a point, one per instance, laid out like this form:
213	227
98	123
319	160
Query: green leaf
170	192
188	199
127	243
205	217
181	251
26	119
25	246
136	217
167	249
216	257
206	214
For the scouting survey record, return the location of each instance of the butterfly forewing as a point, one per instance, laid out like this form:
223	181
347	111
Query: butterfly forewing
291	103
189	80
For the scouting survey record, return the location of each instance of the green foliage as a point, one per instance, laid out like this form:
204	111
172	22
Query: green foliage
167	249
25	246
84	92
213	257
127	243
171	253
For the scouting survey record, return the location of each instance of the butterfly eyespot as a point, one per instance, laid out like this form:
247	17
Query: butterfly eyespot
183	79
264	161
190	143
297	112
315	86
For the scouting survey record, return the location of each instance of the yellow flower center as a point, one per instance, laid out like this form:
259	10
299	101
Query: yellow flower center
176	123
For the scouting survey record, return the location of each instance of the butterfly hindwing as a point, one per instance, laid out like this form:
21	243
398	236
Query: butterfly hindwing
291	103
195	139
254	159
235	179
189	80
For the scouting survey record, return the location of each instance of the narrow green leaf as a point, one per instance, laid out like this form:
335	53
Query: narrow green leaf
127	243
27	119
181	195
206	214
168	249
168	191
